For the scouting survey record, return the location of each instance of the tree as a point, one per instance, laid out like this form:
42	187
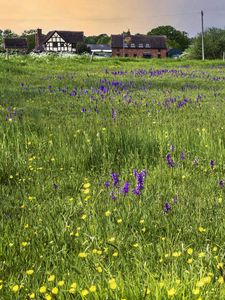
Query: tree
98	39
175	38
103	39
30	36
214	44
7	33
82	48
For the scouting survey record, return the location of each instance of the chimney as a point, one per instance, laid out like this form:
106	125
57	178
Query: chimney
38	40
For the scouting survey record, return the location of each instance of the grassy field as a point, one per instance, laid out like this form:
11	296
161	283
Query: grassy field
112	177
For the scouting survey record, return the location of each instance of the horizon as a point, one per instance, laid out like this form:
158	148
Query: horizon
94	18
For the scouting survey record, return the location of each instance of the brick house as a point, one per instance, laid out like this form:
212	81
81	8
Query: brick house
148	46
58	41
18	44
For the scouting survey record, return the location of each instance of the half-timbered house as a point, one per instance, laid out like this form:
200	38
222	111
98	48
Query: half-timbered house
58	41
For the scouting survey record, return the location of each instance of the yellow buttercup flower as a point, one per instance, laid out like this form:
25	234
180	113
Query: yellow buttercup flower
115	254
201	254
72	291
171	292
119	221
15	288
86	191
24	244
84	293
74	285
176	254
32	296
86	185
206	279
108	213
51	278
30	272
82	255
42	289
99	269
112	284
221	280
92	289
200	283
196	291
55	291
190	251
201	229
61	283
112	239
48	297
215	249
189	261
219	265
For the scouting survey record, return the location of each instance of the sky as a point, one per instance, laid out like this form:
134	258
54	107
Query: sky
110	16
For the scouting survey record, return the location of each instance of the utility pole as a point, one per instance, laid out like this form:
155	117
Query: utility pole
203	50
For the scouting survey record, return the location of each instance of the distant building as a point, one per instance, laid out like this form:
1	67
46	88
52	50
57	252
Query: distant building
147	46
17	44
58	41
100	49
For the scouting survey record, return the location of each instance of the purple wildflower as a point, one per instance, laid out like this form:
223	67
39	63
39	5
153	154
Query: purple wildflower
107	184
182	156
139	182
115	178
212	163
113	195
114	115
172	148
221	183
125	188
175	199
170	161
167	208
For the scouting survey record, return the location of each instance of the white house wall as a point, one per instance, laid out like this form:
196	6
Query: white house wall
61	45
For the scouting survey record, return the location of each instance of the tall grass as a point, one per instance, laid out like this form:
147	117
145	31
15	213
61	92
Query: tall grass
66	125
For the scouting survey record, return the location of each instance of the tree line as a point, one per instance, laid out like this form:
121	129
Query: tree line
214	39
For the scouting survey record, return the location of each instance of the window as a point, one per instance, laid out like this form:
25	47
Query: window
125	45
132	45
55	44
140	45
73	45
126	55
62	44
147	46
135	55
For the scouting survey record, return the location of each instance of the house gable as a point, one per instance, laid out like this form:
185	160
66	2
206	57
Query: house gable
55	43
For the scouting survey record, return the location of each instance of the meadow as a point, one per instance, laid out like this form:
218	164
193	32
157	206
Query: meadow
112	179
